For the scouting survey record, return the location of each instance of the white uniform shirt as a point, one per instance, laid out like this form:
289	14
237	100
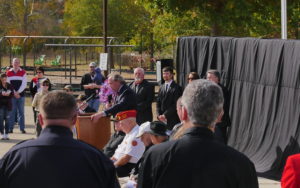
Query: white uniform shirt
131	146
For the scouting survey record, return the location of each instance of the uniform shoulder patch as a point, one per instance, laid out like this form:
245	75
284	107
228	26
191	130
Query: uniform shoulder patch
134	143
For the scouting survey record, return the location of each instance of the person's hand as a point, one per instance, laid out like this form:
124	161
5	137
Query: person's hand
4	93
108	105
91	86
17	95
97	116
162	118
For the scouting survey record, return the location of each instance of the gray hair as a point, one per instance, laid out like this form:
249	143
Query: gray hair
139	69
117	77
203	100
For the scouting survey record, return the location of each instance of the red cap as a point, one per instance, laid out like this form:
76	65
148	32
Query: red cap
124	115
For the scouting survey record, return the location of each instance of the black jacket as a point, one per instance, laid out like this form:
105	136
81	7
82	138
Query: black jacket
194	161
144	96
113	143
55	159
125	100
87	79
166	103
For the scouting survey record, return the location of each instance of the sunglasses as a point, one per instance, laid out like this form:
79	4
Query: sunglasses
46	84
190	78
39	72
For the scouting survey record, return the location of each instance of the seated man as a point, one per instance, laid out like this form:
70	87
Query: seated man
131	149
55	159
158	132
150	134
115	140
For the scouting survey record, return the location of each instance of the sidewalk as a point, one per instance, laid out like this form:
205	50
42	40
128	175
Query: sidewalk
17	136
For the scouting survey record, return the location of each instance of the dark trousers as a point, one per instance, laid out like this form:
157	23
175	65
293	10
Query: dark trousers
34	115
4	120
38	126
123	171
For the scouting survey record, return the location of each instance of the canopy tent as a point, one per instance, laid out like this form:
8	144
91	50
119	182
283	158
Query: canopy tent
263	77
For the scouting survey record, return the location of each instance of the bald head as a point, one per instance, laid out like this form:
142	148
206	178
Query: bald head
16	63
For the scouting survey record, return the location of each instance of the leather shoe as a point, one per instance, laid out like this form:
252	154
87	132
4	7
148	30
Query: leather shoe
23	131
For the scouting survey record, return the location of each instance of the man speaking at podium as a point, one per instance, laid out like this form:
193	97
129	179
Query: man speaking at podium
124	100
55	159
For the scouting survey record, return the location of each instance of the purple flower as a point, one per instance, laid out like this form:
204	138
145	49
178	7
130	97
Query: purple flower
105	92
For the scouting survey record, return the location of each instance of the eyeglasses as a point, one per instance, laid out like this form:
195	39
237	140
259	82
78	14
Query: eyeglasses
46	84
39	72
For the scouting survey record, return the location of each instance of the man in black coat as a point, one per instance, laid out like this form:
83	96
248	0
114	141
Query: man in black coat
124	100
144	95
91	84
55	159
167	97
222	126
196	160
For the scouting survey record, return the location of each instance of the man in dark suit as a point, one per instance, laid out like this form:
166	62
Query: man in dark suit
196	160
144	95
124	100
222	126
55	159
167	97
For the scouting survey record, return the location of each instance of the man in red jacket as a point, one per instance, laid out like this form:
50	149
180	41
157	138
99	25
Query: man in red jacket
17	78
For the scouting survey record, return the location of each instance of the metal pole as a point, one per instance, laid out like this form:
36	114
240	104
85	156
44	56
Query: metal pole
75	51
283	20
105	25
70	66
105	30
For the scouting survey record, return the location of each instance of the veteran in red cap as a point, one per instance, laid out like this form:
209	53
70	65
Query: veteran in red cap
131	149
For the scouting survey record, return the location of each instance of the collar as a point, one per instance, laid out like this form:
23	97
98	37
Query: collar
120	89
134	129
169	83
56	130
199	131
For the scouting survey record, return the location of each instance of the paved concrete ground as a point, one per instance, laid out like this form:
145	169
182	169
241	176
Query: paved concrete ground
17	136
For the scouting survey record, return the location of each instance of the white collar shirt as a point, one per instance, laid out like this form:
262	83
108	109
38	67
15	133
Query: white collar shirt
131	146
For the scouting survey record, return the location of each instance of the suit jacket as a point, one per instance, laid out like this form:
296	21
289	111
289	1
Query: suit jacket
166	103
225	119
125	100
144	96
194	161
291	174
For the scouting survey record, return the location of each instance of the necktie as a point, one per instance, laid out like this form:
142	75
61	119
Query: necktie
167	87
136	88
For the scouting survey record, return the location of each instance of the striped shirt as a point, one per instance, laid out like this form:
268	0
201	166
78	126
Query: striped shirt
17	79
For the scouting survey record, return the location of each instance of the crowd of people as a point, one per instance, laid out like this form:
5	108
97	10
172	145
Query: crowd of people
185	147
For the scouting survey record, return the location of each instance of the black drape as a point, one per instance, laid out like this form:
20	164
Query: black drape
263	78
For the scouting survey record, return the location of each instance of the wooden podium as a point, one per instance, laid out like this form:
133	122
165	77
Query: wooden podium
95	133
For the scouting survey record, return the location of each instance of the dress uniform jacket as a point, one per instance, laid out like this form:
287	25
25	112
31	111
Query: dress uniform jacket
166	103
125	100
194	161
144	96
57	160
